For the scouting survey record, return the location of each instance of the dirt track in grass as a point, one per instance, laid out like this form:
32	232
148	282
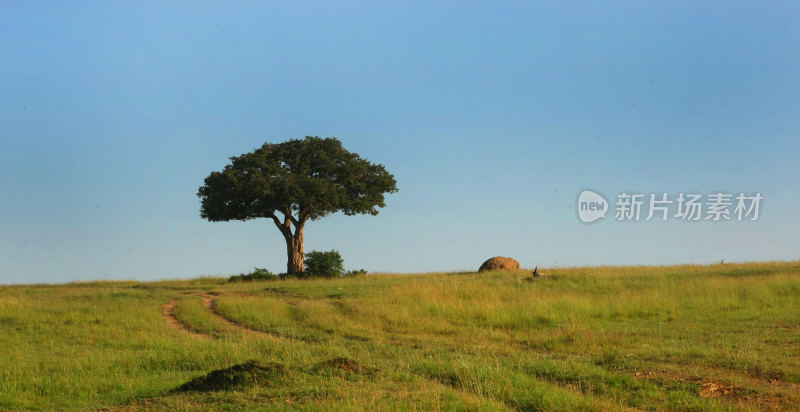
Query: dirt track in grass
210	304
175	323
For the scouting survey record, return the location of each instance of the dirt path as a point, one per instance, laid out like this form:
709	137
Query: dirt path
209	302
175	323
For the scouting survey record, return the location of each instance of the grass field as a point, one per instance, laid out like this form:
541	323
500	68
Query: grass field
720	337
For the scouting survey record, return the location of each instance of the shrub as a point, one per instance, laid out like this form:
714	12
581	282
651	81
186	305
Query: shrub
360	272
257	274
324	264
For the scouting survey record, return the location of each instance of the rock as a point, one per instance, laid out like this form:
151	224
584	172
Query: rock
499	263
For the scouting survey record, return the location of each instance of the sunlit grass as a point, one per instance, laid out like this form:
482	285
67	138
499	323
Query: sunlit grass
580	338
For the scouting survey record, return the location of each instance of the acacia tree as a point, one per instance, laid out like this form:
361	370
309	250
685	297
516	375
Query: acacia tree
293	182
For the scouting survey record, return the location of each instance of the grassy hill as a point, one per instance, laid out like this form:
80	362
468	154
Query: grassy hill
721	337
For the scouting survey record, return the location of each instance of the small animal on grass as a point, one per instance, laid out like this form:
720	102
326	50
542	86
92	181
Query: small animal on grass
535	275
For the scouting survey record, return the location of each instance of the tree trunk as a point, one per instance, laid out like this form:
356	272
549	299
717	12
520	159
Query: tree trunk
295	252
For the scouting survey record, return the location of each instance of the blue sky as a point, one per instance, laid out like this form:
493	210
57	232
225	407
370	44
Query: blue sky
493	118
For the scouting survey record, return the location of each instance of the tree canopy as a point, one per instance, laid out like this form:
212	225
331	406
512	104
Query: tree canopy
295	181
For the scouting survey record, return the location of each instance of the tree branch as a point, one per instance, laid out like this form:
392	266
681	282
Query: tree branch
281	226
294	220
287	222
275	219
298	227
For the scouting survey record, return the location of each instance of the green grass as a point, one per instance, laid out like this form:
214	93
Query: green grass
598	338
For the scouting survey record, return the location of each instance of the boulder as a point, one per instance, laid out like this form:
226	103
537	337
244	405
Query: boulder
499	263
